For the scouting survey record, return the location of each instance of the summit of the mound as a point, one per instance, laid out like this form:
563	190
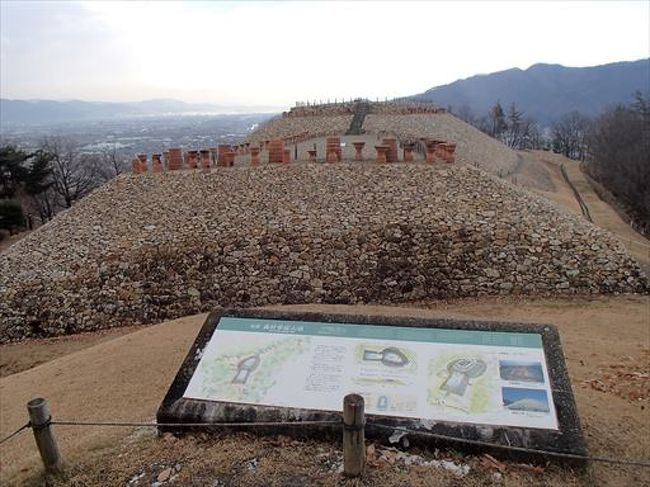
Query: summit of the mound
150	247
408	122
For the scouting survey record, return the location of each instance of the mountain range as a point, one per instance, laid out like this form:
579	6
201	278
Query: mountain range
546	91
31	112
543	91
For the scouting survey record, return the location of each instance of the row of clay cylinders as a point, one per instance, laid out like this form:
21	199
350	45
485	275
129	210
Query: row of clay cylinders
192	159
440	149
333	151
384	150
174	160
277	153
387	151
139	164
225	155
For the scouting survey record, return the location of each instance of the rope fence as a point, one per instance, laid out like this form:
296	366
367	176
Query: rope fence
259	424
15	433
585	211
353	425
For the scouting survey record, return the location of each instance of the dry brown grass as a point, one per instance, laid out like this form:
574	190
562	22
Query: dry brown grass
126	378
241	459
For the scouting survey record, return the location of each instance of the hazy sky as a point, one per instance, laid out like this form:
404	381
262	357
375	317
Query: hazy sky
270	53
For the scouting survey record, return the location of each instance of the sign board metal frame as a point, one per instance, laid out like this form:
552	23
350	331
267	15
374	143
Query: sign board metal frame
568	438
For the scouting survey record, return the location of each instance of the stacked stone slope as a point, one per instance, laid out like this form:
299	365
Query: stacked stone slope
473	146
308	126
151	247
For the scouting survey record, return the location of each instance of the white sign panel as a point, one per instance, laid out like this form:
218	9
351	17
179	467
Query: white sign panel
480	377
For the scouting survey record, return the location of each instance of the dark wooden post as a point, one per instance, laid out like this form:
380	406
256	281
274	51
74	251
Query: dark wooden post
40	417
354	448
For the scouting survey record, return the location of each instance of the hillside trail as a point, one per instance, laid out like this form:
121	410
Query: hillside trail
125	378
600	211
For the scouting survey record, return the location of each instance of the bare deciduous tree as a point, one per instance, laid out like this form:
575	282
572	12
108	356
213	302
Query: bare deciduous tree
74	174
620	145
570	135
110	164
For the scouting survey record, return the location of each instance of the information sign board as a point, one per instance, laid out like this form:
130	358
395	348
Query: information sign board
502	386
469	376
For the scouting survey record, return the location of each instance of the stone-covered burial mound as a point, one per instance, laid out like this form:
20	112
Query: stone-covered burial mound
152	247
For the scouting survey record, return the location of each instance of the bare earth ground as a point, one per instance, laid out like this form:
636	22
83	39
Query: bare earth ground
606	343
16	357
557	190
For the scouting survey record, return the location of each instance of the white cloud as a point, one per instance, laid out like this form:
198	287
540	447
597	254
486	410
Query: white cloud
277	53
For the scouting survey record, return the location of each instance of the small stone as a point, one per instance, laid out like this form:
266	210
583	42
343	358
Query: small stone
169	437
492	273
164	475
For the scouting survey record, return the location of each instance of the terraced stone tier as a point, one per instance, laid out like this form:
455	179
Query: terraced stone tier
152	247
313	126
473	146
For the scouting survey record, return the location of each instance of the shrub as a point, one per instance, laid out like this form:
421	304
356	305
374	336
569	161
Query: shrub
11	215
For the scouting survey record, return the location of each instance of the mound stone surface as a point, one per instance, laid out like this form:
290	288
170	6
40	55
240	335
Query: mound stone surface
314	126
153	247
474	147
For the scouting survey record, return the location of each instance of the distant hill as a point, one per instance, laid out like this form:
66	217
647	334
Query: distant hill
546	91
32	112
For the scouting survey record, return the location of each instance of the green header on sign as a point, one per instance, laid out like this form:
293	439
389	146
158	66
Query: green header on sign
403	333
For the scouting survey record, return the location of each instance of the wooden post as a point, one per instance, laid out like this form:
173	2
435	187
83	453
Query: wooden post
354	448
40	417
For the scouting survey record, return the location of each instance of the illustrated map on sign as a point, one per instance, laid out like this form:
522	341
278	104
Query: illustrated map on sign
497	378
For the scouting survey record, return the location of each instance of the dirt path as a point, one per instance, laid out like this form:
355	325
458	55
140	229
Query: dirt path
16	357
602	213
125	378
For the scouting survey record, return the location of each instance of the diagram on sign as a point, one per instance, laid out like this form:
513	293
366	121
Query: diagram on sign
246	372
389	356
384	365
462	383
461	370
245	369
